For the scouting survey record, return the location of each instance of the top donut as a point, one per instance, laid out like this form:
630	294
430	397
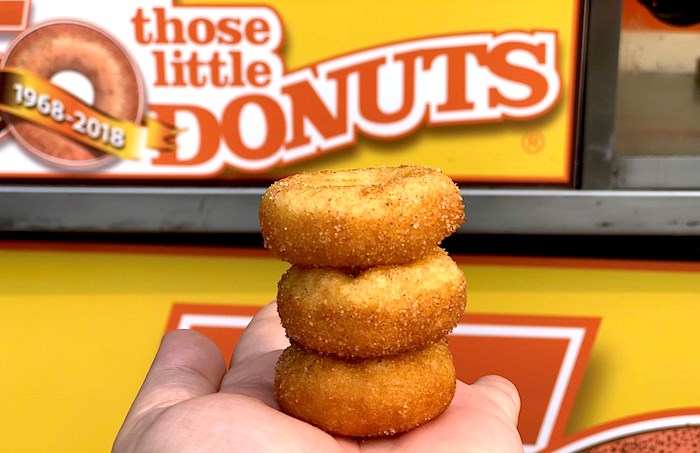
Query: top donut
360	218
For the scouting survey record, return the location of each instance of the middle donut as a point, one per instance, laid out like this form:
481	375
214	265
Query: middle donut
380	311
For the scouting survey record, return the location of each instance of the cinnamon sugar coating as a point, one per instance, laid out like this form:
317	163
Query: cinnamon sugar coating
366	397
383	310
360	218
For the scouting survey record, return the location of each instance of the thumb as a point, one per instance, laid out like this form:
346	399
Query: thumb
502	393
187	365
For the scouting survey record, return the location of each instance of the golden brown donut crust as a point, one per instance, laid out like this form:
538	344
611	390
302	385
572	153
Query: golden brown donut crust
370	397
361	217
383	310
67	44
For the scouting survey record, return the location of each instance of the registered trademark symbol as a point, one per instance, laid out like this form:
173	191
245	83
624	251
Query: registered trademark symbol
532	142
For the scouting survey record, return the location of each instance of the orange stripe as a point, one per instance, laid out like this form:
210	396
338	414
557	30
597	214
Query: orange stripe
145	249
254	252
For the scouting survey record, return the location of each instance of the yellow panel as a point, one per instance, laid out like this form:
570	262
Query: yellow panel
78	329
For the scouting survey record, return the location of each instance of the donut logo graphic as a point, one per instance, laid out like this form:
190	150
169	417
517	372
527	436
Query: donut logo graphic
32	96
68	131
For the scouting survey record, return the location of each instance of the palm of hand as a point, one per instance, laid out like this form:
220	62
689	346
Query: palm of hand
189	403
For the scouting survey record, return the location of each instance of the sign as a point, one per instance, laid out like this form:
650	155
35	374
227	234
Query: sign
599	349
237	90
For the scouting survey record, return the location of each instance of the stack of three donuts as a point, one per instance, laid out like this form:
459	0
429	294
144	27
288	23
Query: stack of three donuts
369	299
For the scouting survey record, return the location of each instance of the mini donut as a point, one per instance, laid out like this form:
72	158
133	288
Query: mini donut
361	217
369	397
66	44
379	311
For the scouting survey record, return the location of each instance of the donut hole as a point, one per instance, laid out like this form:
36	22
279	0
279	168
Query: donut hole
76	84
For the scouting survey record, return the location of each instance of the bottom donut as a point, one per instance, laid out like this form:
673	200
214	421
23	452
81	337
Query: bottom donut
366	397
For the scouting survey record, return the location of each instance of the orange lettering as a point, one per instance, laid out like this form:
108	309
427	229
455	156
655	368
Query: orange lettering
274	138
499	65
368	75
308	105
456	74
208	134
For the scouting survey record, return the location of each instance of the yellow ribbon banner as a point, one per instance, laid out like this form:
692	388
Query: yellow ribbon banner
32	98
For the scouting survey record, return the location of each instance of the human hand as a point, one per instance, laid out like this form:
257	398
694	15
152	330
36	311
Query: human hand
190	403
